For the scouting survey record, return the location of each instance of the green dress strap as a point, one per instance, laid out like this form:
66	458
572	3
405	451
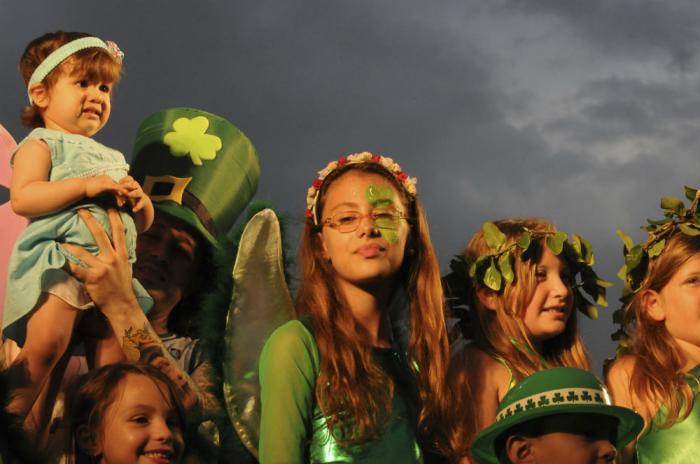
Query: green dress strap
512	382
676	444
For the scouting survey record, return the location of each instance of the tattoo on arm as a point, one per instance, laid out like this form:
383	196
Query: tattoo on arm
142	345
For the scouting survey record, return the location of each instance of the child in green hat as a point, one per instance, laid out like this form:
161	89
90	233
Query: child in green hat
559	415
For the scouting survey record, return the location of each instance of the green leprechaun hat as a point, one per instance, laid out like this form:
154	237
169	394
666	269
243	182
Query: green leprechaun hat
196	166
554	391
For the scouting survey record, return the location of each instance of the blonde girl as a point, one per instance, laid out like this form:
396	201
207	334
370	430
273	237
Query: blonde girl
58	169
657	371
516	278
360	377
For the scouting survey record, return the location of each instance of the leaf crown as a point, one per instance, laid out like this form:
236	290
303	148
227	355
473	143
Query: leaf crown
494	270
677	219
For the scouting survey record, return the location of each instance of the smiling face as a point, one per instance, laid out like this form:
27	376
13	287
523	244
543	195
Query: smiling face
74	104
168	258
677	304
549	309
373	253
140	426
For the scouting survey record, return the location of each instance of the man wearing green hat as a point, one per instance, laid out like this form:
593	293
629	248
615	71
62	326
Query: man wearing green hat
200	172
561	415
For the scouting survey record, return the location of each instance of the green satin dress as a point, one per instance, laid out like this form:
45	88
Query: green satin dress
294	430
679	443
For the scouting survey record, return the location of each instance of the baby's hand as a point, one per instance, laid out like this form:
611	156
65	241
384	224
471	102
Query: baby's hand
140	203
99	185
134	194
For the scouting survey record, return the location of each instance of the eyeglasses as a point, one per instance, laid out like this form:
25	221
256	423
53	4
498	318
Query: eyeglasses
349	221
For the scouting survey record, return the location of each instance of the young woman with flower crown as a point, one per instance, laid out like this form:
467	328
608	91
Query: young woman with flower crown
657	371
515	282
347	381
58	169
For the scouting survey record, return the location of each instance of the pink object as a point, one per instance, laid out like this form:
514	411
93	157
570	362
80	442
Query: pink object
10	223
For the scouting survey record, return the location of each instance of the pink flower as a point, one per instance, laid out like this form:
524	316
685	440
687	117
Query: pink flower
309	214
342	161
402	176
316	184
376	158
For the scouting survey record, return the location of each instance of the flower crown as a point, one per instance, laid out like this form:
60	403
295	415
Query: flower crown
408	183
677	218
495	269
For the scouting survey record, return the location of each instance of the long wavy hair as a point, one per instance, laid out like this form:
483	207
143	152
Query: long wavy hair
658	377
94	64
501	331
352	391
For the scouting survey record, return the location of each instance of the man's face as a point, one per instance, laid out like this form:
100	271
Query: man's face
168	257
567	439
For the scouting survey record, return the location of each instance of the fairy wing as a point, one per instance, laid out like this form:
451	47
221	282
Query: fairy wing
12	224
260	303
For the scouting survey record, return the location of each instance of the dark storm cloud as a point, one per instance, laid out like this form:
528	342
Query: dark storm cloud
639	28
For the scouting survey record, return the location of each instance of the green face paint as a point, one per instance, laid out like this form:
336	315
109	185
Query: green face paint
380	197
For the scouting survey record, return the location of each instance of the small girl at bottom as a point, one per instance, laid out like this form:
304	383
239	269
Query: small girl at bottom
126	413
516	279
360	377
56	170
657	371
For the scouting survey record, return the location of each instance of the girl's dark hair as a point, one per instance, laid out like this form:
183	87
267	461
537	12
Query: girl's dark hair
93	393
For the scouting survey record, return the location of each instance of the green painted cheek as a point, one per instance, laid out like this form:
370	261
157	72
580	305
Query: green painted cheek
382	197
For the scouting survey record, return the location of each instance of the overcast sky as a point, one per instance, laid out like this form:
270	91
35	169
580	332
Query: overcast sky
582	112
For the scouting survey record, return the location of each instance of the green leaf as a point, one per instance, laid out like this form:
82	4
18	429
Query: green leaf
656	249
672	203
576	245
504	266
626	239
634	257
492	278
524	240
601	300
660	222
689	230
690	192
556	242
622	273
587	250
493	235
474	267
603	283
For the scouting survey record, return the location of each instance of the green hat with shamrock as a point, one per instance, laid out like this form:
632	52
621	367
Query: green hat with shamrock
554	391
197	167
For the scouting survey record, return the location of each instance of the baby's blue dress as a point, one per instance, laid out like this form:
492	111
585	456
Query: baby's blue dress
37	260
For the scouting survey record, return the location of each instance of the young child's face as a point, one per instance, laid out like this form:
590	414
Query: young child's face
548	312
76	105
140	426
678	303
374	251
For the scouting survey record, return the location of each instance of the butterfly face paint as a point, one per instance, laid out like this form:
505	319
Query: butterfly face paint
381	199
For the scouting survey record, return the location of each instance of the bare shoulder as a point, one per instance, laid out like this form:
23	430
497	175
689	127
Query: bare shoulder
618	380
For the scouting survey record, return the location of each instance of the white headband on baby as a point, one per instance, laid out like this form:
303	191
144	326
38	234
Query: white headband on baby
57	56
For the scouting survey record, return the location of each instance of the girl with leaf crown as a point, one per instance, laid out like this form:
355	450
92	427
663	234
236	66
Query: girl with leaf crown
517	286
657	370
360	377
